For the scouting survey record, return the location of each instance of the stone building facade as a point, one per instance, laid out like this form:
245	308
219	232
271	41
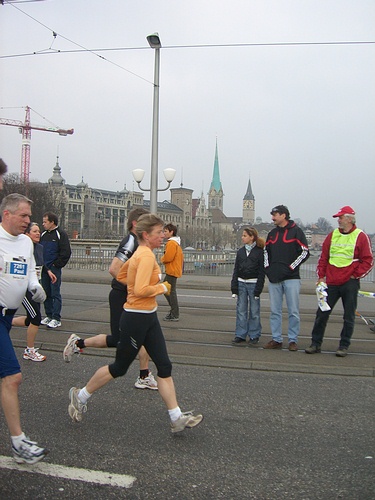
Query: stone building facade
91	213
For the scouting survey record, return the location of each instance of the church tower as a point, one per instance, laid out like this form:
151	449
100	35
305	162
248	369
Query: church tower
248	206
215	194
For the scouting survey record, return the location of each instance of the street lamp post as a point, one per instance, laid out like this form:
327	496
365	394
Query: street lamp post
169	173
154	42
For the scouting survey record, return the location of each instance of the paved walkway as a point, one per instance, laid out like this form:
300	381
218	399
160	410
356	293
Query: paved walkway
197	327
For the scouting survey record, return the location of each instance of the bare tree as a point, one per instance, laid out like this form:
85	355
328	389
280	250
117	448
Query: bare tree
324	225
43	198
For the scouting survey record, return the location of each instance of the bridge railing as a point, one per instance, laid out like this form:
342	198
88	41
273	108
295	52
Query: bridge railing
99	256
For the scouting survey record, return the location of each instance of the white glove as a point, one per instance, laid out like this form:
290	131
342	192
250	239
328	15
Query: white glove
321	293
234	295
38	294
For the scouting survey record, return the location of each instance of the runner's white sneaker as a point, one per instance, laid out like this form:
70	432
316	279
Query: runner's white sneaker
28	452
186	420
46	320
76	408
54	323
146	383
71	348
33	355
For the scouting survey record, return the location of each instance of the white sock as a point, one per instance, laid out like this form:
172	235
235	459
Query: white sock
84	395
16	440
175	414
30	348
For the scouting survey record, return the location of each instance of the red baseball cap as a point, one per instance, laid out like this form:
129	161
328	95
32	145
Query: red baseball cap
344	211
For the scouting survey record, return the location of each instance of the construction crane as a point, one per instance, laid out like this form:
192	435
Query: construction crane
25	129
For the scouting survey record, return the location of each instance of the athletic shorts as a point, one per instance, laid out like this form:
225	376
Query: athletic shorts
32	310
9	364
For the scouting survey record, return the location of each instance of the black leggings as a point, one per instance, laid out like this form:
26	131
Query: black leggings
137	329
117	299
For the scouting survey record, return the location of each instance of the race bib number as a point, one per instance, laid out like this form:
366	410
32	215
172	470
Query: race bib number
16	268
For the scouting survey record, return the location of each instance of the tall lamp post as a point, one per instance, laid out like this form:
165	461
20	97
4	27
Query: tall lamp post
169	173
155	43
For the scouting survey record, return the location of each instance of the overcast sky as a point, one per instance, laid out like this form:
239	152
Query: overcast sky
298	118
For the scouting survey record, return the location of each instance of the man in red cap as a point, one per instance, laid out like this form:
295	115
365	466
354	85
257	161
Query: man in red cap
346	257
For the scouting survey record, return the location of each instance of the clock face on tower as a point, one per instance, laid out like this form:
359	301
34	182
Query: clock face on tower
248	204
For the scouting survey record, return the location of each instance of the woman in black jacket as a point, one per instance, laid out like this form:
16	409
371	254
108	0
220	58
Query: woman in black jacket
247	285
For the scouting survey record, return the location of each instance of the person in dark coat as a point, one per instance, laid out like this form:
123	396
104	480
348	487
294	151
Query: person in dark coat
247	285
56	253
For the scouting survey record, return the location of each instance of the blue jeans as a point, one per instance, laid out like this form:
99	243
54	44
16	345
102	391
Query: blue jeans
53	302
291	289
349	296
248	312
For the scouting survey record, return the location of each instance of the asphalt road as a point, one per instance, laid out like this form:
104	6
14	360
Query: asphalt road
278	425
265	435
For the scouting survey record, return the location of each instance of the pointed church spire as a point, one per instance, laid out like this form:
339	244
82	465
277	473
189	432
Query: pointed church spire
215	194
248	206
249	193
216	183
